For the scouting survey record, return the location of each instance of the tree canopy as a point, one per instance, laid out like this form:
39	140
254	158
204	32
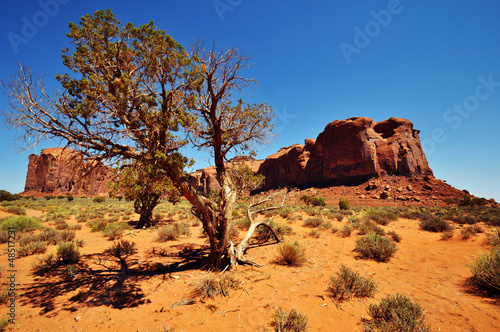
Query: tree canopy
134	93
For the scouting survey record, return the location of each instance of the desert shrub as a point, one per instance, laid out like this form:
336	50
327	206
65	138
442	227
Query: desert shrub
446	235
44	263
376	247
469	231
368	226
4	323
99	199
396	313
122	248
313	200
344	204
49	197
334	215
97	225
32	248
348	284
4	236
485	270
346	231
382	216
14	209
70	272
494	238
115	230
70	198
61	225
172	232
313	222
314	233
290	253
21	223
50	235
394	236
243	224
67	253
285	213
215	285
292	321
433	223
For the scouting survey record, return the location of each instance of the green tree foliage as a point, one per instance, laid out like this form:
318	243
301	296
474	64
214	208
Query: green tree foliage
134	93
145	184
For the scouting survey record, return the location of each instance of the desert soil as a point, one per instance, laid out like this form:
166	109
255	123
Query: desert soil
430	270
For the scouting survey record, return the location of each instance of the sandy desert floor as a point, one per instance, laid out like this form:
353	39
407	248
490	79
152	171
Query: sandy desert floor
428	269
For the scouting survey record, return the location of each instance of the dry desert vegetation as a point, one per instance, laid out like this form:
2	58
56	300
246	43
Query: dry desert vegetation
81	265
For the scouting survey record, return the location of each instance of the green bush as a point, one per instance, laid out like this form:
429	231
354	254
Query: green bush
348	284
99	199
263	233
19	210
31	249
376	247
485	270
313	222
396	313
292	321
290	253
67	253
344	204
346	231
433	223
172	232
368	226
21	223
121	249
49	197
313	200
8	197
70	198
115	230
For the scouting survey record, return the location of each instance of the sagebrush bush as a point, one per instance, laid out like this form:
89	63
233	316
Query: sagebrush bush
396	313
374	246
485	270
172	232
346	231
122	249
263	233
67	253
114	230
313	200
19	210
446	235
20	223
348	284
433	223
368	226
344	204
31	249
469	231
494	238
394	236
215	285
290	253
292	321
99	199
313	222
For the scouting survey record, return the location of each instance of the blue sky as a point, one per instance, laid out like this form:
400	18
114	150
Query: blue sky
434	63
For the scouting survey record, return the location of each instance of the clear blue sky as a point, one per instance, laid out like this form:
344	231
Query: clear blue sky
436	63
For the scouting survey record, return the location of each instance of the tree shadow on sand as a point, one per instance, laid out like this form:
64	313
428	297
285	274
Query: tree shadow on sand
109	279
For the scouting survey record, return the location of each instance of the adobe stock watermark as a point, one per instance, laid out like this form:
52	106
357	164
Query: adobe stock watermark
363	36
31	25
283	119
456	114
223	6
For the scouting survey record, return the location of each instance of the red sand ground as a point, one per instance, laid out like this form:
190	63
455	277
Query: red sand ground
430	270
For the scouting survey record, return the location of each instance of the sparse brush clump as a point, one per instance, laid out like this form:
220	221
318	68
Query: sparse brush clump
368	226
446	235
348	284
263	233
346	231
122	249
485	270
67	253
313	222
290	253
344	204
19	210
394	236
433	223
469	231
114	231
494	238
374	246
292	321
396	313
215	285
31	249
313	200
172	232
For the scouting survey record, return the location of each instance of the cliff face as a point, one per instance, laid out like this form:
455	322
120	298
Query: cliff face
348	152
61	171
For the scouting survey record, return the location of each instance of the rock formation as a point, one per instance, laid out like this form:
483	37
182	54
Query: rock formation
62	171
348	152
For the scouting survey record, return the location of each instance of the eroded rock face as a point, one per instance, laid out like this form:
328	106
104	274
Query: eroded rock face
348	152
61	171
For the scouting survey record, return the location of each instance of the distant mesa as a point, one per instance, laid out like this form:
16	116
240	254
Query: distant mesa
347	152
62	171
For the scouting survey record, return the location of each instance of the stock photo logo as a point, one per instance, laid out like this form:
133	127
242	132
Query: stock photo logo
282	120
31	25
460	111
363	36
223	6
